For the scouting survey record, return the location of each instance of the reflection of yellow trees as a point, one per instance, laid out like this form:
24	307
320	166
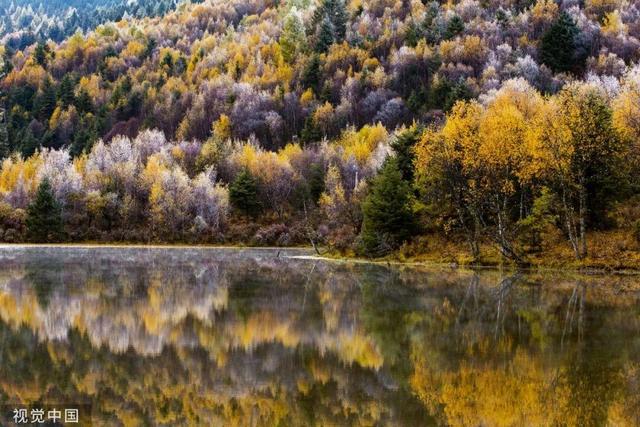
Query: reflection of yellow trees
538	373
178	351
262	343
158	319
521	392
626	412
481	395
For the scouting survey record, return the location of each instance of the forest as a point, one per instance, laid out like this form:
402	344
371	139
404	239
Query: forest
24	22
466	131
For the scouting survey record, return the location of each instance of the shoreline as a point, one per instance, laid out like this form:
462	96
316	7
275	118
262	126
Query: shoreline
145	246
584	271
308	253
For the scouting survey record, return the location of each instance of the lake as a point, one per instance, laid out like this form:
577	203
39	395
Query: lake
211	337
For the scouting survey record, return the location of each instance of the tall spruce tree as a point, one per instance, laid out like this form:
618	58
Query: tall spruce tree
41	54
325	36
329	24
243	194
388	218
311	75
339	19
44	216
455	26
558	45
66	90
403	147
45	102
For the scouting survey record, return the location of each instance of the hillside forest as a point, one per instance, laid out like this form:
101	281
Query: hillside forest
465	131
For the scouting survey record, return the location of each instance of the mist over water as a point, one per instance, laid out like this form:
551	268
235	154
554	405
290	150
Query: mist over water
254	337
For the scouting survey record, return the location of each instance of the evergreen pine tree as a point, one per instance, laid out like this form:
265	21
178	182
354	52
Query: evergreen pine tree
310	133
325	37
339	19
454	27
388	219
430	28
557	47
6	63
29	143
83	102
66	91
45	103
316	182
44	216
41	52
243	194
84	136
403	147
311	74
318	15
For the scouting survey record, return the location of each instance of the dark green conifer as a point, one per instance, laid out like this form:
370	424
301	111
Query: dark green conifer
558	44
325	37
45	103
243	194
66	95
41	54
454	27
388	218
44	216
83	102
403	147
311	74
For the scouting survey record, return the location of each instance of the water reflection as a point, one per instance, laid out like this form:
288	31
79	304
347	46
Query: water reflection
191	337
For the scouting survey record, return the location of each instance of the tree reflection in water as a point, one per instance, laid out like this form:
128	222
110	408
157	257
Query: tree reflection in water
211	337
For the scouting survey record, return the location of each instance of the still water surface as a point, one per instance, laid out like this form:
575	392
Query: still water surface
244	337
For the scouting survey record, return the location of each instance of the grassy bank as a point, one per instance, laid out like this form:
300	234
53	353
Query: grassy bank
609	252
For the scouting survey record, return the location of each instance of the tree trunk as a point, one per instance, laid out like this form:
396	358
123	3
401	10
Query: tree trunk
583	221
471	232
504	243
571	232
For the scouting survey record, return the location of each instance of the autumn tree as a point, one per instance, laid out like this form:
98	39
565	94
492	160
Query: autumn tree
578	148
341	209
444	181
478	164
626	120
